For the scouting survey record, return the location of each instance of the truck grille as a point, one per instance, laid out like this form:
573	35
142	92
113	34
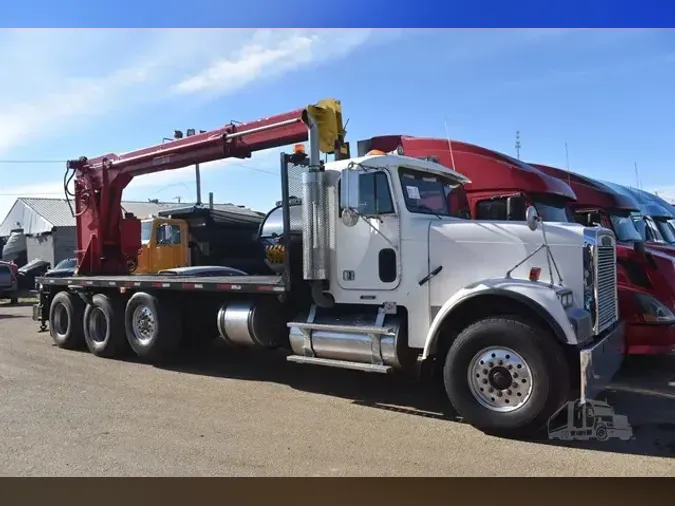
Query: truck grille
606	306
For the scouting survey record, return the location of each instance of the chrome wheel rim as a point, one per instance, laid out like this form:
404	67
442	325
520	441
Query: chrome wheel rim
143	323
61	320
500	379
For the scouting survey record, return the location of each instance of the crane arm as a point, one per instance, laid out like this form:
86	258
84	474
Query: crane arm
108	243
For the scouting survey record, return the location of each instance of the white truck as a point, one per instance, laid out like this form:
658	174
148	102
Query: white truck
370	271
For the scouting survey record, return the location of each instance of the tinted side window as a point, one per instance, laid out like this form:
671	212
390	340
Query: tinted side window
494	209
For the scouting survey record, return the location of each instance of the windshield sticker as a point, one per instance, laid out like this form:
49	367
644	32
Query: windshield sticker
413	192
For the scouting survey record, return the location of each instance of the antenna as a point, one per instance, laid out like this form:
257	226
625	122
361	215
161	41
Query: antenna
518	144
447	136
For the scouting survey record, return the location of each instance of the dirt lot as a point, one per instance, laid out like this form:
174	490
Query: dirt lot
221	413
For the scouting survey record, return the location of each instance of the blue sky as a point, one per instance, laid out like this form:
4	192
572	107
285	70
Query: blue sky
608	94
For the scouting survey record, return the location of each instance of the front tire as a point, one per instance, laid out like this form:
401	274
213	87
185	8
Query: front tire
505	376
153	326
104	327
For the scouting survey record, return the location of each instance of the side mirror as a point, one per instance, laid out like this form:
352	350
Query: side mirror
515	208
532	218
594	219
349	189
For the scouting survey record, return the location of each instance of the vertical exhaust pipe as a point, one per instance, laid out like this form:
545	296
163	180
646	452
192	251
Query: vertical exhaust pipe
315	218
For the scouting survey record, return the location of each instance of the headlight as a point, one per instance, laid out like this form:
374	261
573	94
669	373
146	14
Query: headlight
566	299
652	310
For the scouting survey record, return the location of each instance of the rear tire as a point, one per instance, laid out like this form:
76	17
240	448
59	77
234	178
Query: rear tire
153	326
104	327
493	352
66	313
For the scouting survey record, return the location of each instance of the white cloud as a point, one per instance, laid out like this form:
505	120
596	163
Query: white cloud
66	79
270	54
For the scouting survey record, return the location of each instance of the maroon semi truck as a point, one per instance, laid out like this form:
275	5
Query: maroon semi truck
646	276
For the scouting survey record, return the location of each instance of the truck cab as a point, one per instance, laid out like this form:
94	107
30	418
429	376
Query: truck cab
653	219
164	245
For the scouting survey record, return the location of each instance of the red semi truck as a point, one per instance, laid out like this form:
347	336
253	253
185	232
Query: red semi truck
502	187
646	275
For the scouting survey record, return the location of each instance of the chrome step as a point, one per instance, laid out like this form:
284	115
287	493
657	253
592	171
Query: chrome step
341	364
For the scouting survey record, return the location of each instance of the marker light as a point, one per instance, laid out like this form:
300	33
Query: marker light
535	272
299	148
373	152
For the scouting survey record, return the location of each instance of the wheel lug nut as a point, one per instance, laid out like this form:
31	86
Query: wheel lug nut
509	392
485	382
491	390
515	385
499	394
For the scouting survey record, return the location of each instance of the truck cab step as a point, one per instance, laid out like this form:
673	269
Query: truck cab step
341	364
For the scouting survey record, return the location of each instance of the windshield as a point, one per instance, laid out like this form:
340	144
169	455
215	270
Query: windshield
553	212
665	229
146	231
551	208
425	193
626	229
68	263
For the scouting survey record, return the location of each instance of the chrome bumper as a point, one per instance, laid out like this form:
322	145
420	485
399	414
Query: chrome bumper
601	361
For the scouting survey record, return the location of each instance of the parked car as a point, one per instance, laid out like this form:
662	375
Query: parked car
9	285
33	269
64	269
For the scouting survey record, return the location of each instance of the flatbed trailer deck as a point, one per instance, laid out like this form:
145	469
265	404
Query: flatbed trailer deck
242	284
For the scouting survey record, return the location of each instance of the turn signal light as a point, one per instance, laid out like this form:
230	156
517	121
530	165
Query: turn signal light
535	272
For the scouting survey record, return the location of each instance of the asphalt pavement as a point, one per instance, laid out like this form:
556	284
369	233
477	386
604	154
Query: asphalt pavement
221	413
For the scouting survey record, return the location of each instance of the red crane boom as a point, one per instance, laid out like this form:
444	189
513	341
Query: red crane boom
108	242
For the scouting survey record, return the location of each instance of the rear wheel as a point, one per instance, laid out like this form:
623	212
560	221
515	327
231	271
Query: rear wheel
506	376
65	321
153	325
104	327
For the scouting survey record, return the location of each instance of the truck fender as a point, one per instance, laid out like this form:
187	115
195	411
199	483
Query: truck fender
540	297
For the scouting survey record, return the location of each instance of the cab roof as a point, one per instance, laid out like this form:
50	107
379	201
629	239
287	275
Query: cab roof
589	192
379	160
648	204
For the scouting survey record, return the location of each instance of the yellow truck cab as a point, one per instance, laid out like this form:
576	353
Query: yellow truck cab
164	245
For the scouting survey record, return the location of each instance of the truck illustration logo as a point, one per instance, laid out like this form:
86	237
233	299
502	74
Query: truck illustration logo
592	420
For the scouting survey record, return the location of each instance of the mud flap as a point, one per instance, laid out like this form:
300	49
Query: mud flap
601	361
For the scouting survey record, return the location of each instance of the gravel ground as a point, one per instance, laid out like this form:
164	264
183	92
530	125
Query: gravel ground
249	414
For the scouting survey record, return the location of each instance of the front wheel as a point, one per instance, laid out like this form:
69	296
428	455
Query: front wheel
505	376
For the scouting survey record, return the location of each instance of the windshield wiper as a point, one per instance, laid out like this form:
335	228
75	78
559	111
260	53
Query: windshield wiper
427	208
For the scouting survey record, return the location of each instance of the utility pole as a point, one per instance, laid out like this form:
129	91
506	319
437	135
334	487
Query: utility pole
567	157
518	144
178	134
637	177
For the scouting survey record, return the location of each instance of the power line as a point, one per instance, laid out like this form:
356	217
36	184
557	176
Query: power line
33	161
51	194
